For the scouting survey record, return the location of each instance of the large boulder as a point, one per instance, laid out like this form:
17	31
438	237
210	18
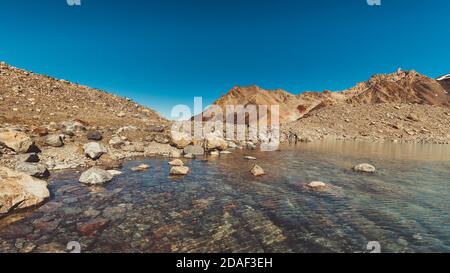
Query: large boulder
94	150
194	150
215	143
34	169
20	191
54	141
95	176
180	140
16	141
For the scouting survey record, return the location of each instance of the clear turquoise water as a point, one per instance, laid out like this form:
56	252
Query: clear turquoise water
220	207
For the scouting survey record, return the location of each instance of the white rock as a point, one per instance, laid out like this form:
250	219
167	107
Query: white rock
179	170
114	172
95	176
141	168
365	168
94	150
176	162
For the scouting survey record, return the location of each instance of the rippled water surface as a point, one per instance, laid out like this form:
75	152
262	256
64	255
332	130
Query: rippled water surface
220	207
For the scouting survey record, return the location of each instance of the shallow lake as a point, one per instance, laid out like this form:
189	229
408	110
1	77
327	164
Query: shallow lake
221	207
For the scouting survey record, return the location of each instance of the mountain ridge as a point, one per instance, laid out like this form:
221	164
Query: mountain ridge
399	87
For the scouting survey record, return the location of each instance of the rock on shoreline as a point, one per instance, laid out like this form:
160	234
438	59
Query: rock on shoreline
20	191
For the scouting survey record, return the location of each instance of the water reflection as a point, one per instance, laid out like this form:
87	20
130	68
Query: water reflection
221	207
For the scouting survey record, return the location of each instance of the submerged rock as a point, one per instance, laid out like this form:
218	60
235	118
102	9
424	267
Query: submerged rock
319	186
141	168
114	172
20	191
34	169
364	168
257	171
179	170
92	227
95	176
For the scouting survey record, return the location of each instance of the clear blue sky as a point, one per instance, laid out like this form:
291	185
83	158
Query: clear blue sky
165	52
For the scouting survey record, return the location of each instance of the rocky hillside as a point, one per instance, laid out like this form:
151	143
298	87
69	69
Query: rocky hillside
36	100
398	122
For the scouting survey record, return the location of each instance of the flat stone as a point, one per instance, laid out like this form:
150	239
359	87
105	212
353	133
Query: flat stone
176	162
141	168
365	168
317	185
114	172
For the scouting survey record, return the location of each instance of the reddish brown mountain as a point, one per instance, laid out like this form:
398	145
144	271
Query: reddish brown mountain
399	87
292	107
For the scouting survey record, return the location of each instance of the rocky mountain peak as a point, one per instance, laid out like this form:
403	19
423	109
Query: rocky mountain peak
444	81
